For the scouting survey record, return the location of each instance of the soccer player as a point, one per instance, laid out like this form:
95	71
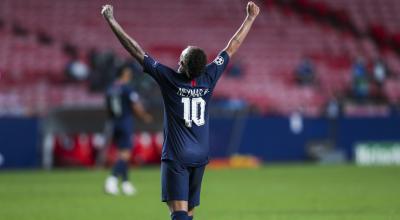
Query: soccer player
186	93
122	103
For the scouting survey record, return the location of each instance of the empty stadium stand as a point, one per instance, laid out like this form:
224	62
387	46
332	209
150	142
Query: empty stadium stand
270	54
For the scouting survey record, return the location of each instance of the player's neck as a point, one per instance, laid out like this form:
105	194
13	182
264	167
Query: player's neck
183	75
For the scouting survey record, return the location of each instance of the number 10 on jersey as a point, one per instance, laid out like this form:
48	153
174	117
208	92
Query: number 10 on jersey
193	111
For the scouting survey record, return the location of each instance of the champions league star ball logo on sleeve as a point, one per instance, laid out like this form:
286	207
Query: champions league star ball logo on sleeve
219	60
155	64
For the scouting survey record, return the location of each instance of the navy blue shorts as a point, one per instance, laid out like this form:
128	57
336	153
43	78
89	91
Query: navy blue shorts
122	137
181	182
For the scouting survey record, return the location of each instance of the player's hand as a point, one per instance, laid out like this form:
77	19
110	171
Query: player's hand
252	9
107	11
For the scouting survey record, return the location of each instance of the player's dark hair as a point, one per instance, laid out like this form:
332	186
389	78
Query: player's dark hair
196	61
120	70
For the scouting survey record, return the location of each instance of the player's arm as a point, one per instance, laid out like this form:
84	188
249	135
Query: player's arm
238	38
129	44
141	113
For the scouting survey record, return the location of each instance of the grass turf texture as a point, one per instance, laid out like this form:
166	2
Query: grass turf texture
270	193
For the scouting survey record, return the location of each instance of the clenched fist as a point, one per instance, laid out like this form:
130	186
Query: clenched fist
107	11
252	9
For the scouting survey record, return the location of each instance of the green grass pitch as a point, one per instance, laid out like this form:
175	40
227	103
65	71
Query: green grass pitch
280	192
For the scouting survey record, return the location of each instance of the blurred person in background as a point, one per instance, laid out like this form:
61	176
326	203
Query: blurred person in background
186	93
360	80
103	66
333	108
122	102
333	111
236	70
296	121
380	72
77	70
305	72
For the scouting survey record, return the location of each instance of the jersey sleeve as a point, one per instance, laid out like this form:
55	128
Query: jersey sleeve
217	67
153	68
133	96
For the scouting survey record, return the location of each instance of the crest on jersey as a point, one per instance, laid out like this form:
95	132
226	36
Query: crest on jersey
219	60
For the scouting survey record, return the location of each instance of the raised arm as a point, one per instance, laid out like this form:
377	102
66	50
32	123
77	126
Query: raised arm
129	44
237	39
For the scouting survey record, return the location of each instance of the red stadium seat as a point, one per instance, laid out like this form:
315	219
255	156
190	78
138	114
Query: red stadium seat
273	49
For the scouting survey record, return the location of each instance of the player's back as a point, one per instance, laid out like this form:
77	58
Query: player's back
119	98
186	110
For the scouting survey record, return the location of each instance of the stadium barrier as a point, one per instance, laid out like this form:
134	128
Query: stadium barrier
271	139
19	141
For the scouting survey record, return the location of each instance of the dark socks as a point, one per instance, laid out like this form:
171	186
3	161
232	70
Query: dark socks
124	173
179	215
120	169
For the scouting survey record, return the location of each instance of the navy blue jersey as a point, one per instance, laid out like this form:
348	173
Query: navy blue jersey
186	127
120	98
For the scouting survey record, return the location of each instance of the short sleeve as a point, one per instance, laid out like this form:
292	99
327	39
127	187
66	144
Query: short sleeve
152	67
133	96
217	67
